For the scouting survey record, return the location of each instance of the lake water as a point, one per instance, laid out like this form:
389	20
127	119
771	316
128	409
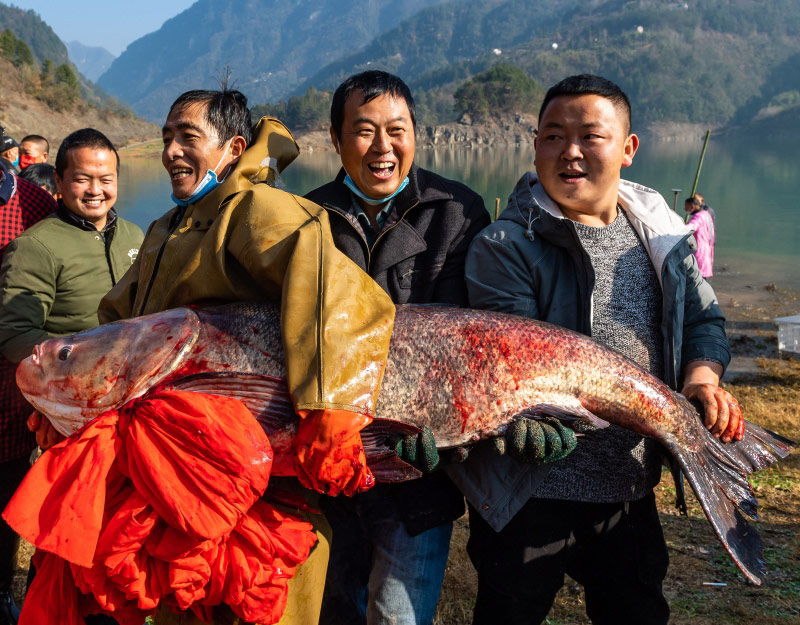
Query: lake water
753	185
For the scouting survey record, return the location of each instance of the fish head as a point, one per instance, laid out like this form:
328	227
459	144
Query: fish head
75	378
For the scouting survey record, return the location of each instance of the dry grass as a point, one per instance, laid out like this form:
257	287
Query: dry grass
771	399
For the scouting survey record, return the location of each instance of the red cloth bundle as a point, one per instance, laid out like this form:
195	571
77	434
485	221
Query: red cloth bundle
158	502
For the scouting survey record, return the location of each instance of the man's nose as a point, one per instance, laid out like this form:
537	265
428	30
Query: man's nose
572	151
381	142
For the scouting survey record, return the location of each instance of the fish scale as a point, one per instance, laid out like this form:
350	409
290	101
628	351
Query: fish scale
465	374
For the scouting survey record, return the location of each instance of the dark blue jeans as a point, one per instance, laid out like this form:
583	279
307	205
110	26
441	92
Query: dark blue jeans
378	574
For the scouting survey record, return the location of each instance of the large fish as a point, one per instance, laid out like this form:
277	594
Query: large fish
465	374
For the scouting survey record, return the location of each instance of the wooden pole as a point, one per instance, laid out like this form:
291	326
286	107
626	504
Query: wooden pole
496	208
700	164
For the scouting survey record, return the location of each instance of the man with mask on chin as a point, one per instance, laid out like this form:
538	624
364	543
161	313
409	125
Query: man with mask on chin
409	229
231	238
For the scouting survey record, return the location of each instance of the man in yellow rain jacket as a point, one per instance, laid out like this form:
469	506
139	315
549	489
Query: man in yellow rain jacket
231	238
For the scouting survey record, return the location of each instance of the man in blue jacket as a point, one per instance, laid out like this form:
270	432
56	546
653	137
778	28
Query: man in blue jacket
581	248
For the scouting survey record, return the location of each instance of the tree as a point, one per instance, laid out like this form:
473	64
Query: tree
503	88
14	49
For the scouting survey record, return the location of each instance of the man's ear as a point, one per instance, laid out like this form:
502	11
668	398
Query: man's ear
59	182
238	146
631	145
334	140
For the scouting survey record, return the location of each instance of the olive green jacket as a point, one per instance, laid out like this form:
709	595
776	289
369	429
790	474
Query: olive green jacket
247	241
53	276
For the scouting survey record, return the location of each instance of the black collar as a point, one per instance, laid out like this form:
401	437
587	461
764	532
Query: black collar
67	216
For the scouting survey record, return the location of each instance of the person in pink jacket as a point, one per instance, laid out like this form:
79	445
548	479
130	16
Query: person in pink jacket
704	234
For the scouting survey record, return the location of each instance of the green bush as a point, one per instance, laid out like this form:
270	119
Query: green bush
14	49
503	88
308	111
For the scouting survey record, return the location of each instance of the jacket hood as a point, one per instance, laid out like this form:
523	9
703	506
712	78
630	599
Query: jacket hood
272	150
659	228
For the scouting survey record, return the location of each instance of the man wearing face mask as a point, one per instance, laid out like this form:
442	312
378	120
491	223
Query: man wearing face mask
9	153
409	229
230	238
33	149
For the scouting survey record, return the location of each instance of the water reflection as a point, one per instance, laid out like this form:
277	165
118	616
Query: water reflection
752	186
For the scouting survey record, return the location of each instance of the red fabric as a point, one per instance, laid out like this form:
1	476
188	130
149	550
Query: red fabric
159	502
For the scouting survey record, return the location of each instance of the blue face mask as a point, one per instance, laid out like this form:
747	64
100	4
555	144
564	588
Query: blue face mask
16	162
206	185
348	181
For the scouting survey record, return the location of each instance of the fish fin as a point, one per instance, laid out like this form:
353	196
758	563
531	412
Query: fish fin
379	439
265	396
568	409
391	469
718	475
740	539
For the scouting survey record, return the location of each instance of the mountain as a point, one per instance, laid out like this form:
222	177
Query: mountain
43	93
270	46
713	62
91	61
28	26
48	49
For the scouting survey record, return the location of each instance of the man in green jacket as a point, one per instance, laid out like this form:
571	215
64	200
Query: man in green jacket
54	274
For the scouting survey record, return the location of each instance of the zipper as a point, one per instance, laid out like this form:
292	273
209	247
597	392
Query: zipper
173	227
363	238
107	244
378	238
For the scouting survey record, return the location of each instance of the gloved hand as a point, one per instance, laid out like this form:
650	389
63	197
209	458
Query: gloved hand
419	450
329	455
535	441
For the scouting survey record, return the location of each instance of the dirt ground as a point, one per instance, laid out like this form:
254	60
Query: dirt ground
768	388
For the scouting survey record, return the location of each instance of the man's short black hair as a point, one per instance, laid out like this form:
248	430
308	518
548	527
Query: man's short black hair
693	201
83	138
225	111
589	84
38	140
372	84
42	175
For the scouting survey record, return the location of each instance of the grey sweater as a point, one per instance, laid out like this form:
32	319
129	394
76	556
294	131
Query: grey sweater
615	464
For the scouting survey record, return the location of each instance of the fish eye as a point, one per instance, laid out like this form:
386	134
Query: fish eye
65	352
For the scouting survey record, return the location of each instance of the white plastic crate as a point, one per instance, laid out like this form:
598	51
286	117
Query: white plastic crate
789	334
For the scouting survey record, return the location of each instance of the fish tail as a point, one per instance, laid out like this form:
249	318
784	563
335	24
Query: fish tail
718	475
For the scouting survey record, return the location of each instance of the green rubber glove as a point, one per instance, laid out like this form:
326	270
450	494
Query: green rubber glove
419	450
535	441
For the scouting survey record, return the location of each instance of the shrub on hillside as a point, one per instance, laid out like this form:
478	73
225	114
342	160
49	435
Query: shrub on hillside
503	88
14	49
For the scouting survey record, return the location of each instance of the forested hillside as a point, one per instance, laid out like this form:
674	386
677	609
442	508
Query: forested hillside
270	46
714	62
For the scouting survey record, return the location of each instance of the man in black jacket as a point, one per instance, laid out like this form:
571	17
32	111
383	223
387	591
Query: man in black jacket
409	229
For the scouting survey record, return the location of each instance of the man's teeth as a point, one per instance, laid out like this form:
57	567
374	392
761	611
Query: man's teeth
181	173
381	165
92	202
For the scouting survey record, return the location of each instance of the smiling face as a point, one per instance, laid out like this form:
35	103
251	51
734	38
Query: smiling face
191	148
88	186
376	143
582	143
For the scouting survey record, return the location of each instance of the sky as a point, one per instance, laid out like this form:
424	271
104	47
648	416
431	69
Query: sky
111	24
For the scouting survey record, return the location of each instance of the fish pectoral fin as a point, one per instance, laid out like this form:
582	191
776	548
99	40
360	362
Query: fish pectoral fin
567	409
265	396
379	439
